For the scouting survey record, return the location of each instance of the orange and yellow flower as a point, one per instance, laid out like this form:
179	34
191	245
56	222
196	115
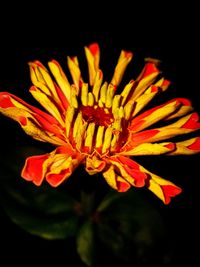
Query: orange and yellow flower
91	124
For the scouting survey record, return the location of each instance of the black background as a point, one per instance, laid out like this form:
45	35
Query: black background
149	30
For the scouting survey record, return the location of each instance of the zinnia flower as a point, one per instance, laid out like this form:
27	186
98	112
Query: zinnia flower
91	124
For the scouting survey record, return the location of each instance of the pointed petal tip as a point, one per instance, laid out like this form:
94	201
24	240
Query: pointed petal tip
94	48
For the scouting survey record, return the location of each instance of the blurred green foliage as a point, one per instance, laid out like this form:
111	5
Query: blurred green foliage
106	225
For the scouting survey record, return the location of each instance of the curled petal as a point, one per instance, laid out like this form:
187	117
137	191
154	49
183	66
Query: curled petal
188	147
162	188
41	78
123	61
48	103
129	170
115	181
55	167
149	149
61	80
94	165
145	98
186	107
35	168
186	124
34	122
153	115
75	70
92	53
145	79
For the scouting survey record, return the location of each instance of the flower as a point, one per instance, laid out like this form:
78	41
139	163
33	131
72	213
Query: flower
95	126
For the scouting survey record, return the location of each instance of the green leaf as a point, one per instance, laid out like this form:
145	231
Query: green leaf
85	243
44	211
129	227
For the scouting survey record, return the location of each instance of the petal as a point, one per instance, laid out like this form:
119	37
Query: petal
92	53
41	78
145	98
153	115
94	165
188	147
64	161
162	188
149	149
123	61
145	79
115	181
48	103
74	69
61	79
186	107
34	122
56	166
186	124
35	168
129	170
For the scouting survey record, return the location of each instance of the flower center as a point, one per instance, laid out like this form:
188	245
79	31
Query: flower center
100	116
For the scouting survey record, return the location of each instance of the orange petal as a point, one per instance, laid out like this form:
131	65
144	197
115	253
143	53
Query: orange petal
34	122
94	165
35	169
56	166
129	170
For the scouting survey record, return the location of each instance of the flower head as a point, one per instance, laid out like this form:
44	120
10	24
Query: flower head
92	124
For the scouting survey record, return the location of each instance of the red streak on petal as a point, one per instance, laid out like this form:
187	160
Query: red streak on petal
137	122
133	169
184	101
129	162
128	54
170	146
23	121
55	62
192	122
195	145
165	83
62	98
5	101
154	88
170	191
39	64
143	136
149	69
47	126
122	187
33	88
94	48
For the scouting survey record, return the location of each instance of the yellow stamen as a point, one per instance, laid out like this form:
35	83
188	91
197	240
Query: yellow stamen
126	91
97	85
84	94
99	136
89	135
109	96
128	109
77	123
115	103
107	139
121	112
117	124
69	119
103	92
74	101
74	70
90	99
